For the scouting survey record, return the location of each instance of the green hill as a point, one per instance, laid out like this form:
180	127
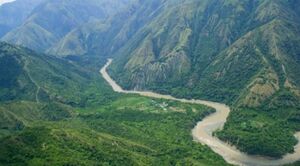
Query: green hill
26	75
41	87
54	112
244	53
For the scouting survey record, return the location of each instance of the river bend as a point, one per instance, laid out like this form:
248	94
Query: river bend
202	132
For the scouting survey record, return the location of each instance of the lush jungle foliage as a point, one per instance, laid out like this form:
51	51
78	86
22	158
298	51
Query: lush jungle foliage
129	131
53	112
243	53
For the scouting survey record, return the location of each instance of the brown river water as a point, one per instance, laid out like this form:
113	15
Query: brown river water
202	132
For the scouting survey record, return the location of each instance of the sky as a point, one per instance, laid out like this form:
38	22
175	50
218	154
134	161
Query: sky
5	1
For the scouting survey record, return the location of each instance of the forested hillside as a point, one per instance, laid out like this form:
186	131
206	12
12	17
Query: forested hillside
245	53
242	53
42	78
54	112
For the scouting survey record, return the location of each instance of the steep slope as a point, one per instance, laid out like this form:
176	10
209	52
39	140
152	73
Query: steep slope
55	112
245	53
106	37
193	35
241	52
35	87
14	13
52	20
270	101
26	75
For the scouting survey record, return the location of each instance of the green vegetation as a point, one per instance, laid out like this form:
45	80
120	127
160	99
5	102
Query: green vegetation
243	53
129	131
268	129
36	86
262	132
53	112
25	75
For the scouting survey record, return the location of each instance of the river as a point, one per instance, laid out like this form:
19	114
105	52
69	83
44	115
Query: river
203	130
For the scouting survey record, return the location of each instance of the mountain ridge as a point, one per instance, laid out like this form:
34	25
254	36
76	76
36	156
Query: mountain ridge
67	14
253	69
243	53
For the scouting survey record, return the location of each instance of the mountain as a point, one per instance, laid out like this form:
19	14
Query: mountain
244	53
26	75
55	112
106	37
177	41
13	14
36	87
40	33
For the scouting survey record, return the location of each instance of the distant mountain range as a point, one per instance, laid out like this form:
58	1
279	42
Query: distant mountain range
244	53
14	14
47	22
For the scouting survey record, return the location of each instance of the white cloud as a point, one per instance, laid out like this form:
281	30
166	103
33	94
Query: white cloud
5	1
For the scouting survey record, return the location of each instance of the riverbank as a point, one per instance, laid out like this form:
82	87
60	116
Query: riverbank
204	129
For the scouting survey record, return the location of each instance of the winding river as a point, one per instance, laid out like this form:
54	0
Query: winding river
204	129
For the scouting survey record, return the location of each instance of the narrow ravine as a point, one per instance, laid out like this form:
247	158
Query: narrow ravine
204	129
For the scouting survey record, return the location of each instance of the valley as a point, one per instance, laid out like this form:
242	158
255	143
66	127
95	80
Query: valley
192	82
54	112
203	132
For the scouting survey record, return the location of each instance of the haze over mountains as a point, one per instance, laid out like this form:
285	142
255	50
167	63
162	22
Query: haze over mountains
41	33
242	53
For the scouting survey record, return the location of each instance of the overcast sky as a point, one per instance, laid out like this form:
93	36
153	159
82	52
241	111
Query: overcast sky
5	1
